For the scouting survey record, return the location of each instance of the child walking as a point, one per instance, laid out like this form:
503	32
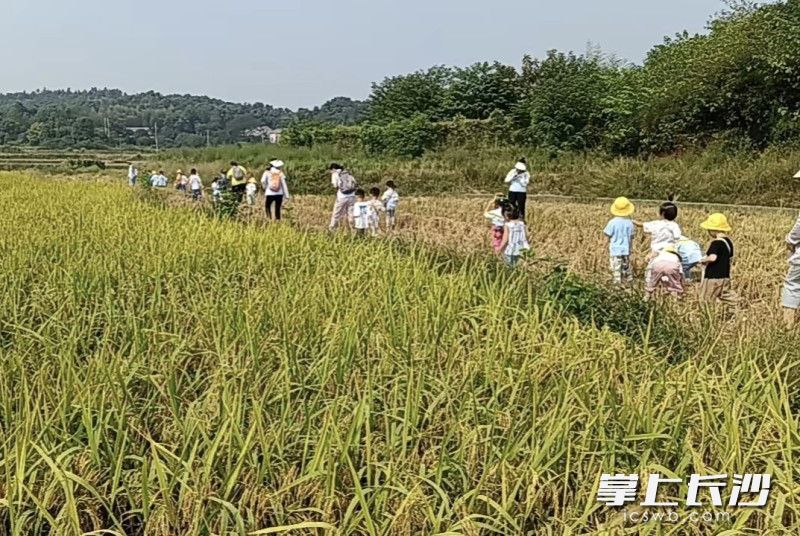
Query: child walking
361	214
377	207
515	239
619	232
251	190
716	284
391	199
195	185
494	213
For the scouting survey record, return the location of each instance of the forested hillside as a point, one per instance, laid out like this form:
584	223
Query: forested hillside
110	118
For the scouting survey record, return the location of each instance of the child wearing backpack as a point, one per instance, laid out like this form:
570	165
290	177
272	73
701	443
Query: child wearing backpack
716	284
391	199
275	189
345	185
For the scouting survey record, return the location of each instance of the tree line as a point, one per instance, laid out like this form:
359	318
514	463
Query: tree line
738	86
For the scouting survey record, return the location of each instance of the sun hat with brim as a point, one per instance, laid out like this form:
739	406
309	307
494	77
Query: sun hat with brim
521	167
251	180
277	163
622	207
716	222
797	175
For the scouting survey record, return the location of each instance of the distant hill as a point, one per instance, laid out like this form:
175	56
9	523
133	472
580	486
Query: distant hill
110	118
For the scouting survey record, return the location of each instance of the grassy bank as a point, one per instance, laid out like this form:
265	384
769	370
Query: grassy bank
711	176
164	373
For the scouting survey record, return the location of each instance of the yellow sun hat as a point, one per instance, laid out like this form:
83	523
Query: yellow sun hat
622	207
251	180
716	222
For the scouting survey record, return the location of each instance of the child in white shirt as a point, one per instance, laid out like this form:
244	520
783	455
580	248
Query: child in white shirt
215	194
195	185
515	239
361	214
251	190
664	233
391	199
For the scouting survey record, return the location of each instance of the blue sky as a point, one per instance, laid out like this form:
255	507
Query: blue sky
303	52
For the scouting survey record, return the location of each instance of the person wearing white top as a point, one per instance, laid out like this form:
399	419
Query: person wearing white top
517	180
275	188
664	233
250	191
390	200
515	239
361	213
790	295
345	185
133	173
195	185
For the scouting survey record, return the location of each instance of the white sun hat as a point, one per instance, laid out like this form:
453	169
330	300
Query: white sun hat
276	163
797	175
521	167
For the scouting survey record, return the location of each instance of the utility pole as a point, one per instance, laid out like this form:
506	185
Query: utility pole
155	125
208	139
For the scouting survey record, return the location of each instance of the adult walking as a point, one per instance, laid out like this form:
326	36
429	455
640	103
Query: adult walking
517	180
275	189
133	173
345	185
237	178
790	296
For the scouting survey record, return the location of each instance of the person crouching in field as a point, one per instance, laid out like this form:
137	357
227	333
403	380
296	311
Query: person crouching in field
663	232
195	185
666	273
390	200
619	232
690	253
377	207
515	239
361	213
495	214
716	284
790	295
250	191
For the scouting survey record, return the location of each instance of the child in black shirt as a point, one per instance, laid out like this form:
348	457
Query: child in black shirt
716	284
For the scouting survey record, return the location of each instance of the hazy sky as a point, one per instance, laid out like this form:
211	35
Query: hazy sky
302	52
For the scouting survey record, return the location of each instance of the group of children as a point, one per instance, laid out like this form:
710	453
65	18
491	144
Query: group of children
365	213
672	258
509	234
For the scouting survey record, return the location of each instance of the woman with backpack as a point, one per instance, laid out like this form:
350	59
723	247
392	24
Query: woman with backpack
345	185
237	177
275	189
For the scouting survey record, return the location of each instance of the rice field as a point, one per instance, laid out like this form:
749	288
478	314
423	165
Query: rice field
166	373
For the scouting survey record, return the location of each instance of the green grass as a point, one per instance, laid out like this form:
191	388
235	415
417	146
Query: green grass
708	176
164	373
